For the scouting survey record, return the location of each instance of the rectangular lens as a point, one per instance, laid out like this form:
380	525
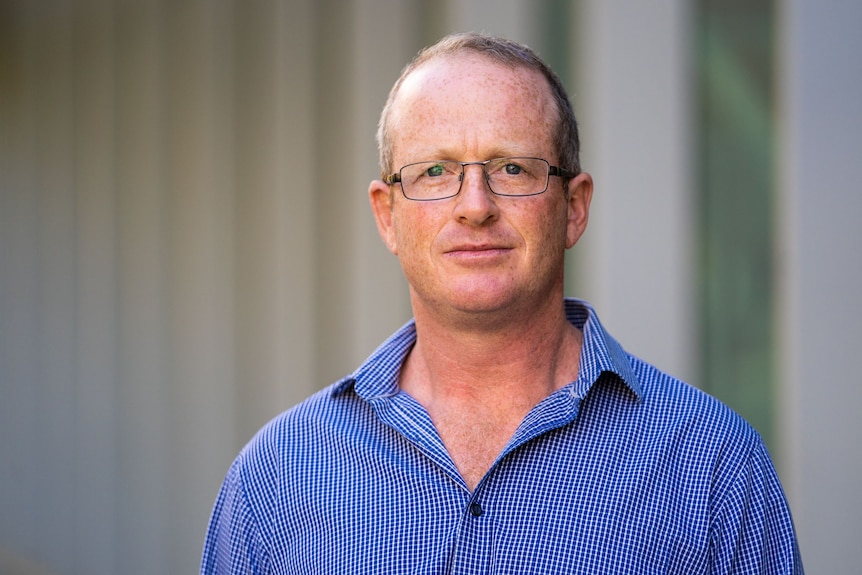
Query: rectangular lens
431	180
517	176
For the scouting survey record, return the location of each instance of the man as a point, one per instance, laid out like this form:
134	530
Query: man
503	430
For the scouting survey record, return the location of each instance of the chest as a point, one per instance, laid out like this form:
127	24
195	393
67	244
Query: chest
551	506
474	441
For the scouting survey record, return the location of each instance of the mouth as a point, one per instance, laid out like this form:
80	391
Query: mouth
477	252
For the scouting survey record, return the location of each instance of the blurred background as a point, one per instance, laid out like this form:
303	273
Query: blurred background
186	247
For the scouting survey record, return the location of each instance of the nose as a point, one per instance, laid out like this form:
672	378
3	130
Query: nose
475	203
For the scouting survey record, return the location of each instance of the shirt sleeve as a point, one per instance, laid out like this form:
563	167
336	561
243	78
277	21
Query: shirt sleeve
234	543
752	532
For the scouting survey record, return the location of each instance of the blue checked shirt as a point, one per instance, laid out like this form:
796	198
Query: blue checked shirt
625	470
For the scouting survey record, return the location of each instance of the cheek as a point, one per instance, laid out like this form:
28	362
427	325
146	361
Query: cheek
543	227
415	228
547	240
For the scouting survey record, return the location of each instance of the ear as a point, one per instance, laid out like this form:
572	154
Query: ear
580	196
381	198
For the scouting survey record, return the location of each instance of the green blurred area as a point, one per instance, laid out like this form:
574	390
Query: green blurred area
735	81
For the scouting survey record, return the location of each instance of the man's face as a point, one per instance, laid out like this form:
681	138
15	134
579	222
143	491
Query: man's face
478	252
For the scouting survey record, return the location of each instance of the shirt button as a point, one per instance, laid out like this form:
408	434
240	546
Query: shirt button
476	510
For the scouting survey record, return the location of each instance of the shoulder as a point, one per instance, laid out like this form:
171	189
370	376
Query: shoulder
671	403
301	431
253	513
718	454
699	428
676	402
688	435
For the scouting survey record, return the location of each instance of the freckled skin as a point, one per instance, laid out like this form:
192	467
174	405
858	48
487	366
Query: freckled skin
485	271
470	108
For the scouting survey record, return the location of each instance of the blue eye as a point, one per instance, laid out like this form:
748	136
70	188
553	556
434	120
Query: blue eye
513	169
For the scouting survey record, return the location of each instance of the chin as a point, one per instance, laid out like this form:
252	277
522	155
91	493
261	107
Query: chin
472	294
482	301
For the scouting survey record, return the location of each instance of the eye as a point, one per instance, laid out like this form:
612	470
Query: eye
513	169
435	171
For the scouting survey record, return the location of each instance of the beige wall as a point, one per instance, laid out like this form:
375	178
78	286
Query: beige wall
186	248
186	251
636	113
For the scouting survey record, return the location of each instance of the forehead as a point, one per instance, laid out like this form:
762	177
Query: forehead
472	103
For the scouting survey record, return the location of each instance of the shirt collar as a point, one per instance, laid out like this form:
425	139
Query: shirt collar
601	353
377	377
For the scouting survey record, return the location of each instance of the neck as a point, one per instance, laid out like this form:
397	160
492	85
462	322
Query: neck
498	362
478	380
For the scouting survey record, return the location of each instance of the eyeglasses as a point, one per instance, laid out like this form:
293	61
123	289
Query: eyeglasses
441	179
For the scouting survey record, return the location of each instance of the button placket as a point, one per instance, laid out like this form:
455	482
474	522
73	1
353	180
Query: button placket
476	509
475	539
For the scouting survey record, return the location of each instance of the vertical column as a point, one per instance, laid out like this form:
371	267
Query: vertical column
633	101
298	258
55	322
274	198
514	19
96	290
380	296
142	434
334	166
361	296
19	281
198	164
820	325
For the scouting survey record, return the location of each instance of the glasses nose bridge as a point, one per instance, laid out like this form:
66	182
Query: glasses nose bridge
483	165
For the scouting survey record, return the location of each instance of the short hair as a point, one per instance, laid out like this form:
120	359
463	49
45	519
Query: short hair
505	52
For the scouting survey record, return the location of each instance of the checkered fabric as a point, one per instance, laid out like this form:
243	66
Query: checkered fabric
625	470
